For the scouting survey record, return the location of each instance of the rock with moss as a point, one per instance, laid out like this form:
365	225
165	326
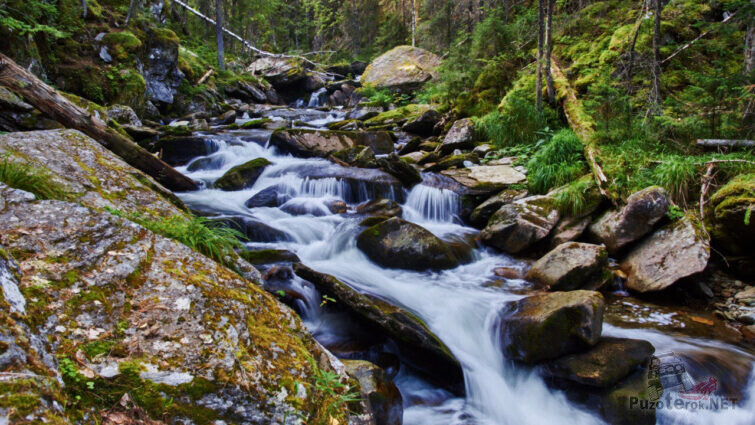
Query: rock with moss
89	173
402	69
676	251
482	179
454	161
123	114
417	343
615	229
482	213
242	176
226	118
405	173
381	394
160	65
269	256
280	72
460	136
179	150
121	45
548	326
424	124
730	218
517	226
401	244
320	143
380	207
568	229
570	266
603	365
131	312
357	156
397	117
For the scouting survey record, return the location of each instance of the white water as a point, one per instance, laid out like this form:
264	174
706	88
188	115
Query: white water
456	304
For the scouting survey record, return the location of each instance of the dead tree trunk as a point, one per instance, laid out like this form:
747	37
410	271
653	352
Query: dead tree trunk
656	90
750	45
414	25
57	107
131	6
84	9
540	39
219	33
548	51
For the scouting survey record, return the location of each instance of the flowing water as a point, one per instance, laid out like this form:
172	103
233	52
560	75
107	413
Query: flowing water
459	305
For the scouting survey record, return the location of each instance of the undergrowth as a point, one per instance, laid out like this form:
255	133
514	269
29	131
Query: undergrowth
557	162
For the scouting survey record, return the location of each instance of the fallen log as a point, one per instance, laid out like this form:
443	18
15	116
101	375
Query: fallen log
582	125
725	144
43	97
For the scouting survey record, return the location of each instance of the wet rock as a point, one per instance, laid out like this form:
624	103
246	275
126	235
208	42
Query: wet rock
271	196
424	124
482	213
413	157
180	150
123	114
255	230
363	113
140	133
96	176
730	231
371	221
247	92
242	176
548	326
336	206
615	229
320	143
172	323
418	345
508	272
405	173
381	394
571	265
400	244
280	72
160	66
519	225
678	250
269	256
482	150
460	136
411	146
357	156
614	404
228	117
485	179
454	161
402	69
381	206
603	365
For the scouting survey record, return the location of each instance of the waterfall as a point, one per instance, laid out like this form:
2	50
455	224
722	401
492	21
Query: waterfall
318	98
433	204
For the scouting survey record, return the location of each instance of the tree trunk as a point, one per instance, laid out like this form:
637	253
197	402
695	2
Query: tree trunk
750	45
57	107
414	24
84	9
131	6
549	49
219	33
656	90
540	39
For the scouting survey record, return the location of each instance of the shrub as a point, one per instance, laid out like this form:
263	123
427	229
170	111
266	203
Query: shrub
381	97
557	162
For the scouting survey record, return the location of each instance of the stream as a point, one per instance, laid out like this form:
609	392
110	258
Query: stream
460	305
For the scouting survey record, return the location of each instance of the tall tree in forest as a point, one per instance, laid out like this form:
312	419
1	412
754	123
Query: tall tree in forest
655	101
414	25
540	39
750	41
548	52
219	33
84	8
131	6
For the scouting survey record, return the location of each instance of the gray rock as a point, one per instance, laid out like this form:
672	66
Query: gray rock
570	266
460	136
424	124
381	394
402	69
517	226
160	67
321	143
123	114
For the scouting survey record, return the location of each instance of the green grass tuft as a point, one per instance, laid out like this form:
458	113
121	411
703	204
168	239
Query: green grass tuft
575	198
31	179
557	162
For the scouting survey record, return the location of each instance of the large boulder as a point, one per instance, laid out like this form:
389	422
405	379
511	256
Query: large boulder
402	69
405	173
321	143
424	124
460	136
401	244
381	207
271	196
568	229
179	150
482	213
454	161
124	115
517	226
677	250
160	65
381	394
616	229
242	176
417	343
357	156
570	266
127	311
603	365
280	72
548	326
485	179
731	228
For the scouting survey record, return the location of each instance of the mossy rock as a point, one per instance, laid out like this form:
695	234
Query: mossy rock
729	219
122	45
258	123
269	256
242	176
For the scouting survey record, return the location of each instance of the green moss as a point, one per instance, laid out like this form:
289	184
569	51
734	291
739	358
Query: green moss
165	36
258	123
121	44
398	115
175	130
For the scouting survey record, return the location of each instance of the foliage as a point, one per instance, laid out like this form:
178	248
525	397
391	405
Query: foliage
575	198
379	97
198	233
557	162
32	179
331	392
